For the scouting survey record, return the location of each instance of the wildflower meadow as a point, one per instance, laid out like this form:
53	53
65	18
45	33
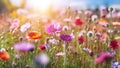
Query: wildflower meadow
66	38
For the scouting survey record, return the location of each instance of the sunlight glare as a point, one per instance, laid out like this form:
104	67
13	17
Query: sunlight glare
41	5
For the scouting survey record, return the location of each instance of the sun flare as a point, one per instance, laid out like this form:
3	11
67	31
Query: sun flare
41	5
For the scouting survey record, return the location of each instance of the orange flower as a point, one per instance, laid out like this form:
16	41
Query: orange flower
98	28
34	35
103	22
4	56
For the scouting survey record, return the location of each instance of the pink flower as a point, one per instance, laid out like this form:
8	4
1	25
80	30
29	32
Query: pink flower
53	28
118	14
114	15
60	54
88	12
103	57
15	23
69	48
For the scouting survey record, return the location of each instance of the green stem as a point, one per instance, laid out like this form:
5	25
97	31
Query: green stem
64	50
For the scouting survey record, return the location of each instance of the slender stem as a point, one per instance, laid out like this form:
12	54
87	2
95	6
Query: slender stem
64	50
43	66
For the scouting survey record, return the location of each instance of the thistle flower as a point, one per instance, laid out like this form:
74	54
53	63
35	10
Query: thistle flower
24	46
65	37
53	28
114	44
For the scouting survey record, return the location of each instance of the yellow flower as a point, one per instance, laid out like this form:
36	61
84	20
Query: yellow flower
13	14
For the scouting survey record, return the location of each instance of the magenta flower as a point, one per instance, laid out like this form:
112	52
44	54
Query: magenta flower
102	57
65	37
24	47
53	28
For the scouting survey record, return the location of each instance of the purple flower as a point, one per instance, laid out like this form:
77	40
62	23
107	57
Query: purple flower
65	37
41	59
115	64
52	28
24	47
91	53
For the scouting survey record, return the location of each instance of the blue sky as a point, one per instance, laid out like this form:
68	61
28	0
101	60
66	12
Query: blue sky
82	4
